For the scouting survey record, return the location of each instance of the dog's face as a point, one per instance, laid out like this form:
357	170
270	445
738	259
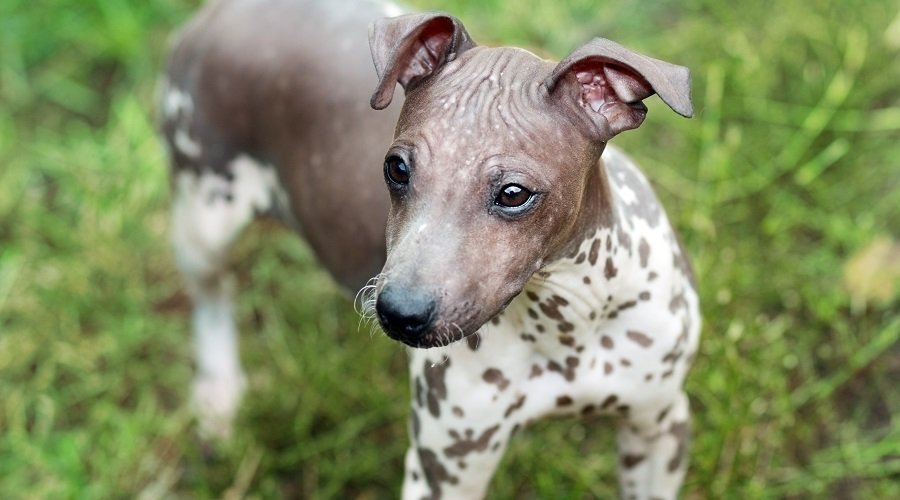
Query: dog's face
488	172
484	178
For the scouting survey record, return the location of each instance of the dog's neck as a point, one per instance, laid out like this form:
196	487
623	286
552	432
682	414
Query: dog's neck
595	211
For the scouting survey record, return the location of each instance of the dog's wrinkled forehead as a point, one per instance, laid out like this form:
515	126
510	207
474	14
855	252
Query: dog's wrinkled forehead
492	90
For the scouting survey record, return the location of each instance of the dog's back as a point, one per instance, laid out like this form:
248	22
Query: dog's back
286	83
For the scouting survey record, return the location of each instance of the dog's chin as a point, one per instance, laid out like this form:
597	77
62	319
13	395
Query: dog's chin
434	337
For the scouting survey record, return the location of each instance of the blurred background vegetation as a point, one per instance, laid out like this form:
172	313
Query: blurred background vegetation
785	186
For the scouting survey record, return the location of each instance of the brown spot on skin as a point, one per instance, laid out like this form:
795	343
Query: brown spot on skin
648	377
567	340
495	376
569	372
515	430
587	410
624	239
609	401
662	414
531	295
586	280
678	302
629	461
532	314
539	328
564	401
624	362
609	270
465	445
565	326
623	409
639	338
627	305
527	337
515	406
553	366
559	300
645	296
667	374
593	362
580	258
435	472
571	363
685	327
473	341
595	251
551	310
435	375
671	357
644	252
607	368
495	320
414	423
608	242
652	276
606	342
593	315
613	315
458	411
536	371
682	433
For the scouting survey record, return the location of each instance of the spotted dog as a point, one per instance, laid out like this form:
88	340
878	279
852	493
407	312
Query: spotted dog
528	265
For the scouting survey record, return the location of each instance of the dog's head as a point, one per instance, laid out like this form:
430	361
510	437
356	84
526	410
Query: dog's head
492	170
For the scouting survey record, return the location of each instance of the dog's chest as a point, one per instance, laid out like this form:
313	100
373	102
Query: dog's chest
582	339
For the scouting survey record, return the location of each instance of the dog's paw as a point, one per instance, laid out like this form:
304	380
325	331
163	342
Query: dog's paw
215	401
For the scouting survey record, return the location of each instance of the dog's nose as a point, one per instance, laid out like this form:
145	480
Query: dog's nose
404	314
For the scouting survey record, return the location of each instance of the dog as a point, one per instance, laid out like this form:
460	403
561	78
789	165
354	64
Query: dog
528	265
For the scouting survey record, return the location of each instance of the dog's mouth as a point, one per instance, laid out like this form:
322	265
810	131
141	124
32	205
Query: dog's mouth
440	331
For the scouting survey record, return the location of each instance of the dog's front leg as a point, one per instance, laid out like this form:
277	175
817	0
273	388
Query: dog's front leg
459	427
653	452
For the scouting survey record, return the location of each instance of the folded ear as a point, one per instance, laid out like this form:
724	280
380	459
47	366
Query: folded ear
608	82
410	48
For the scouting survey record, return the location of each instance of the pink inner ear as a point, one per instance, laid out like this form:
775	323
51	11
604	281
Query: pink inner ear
595	90
426	53
603	84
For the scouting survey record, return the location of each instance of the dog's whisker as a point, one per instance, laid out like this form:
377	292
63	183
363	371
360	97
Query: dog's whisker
364	305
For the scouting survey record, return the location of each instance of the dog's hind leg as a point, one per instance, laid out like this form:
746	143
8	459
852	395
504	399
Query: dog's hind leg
211	206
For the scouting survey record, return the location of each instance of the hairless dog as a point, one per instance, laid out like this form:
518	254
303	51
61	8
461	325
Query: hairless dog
528	265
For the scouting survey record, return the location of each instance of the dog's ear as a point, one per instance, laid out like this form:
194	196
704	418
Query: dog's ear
410	48
608	82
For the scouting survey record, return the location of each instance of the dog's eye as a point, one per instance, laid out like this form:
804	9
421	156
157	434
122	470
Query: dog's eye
513	196
396	171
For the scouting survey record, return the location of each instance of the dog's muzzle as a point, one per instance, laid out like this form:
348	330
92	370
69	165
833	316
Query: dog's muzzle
405	315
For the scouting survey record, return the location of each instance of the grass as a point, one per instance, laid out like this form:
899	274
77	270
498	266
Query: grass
785	186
